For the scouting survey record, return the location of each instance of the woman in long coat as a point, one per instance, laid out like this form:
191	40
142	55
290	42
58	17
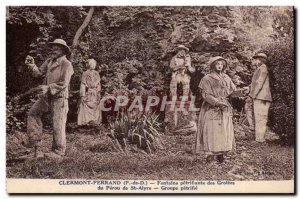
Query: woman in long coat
215	136
89	110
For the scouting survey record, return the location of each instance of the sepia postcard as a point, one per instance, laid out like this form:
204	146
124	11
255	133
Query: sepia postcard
150	99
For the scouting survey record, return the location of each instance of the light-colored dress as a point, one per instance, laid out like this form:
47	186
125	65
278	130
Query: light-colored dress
90	88
215	127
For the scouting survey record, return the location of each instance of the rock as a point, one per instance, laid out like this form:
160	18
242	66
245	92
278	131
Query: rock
238	177
245	155
187	129
232	173
200	57
271	135
180	121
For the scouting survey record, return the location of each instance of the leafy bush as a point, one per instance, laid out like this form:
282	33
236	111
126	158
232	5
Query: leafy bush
16	114
282	78
132	131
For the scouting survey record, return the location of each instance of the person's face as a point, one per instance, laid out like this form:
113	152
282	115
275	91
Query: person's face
255	63
219	66
91	66
181	52
253	66
57	51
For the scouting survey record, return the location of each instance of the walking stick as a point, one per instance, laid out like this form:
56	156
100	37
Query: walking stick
27	93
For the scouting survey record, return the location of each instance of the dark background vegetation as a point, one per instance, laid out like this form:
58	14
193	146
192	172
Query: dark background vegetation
133	46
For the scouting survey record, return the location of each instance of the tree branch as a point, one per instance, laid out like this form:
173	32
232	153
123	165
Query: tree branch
82	27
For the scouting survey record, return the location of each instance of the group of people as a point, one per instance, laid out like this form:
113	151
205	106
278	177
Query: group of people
214	137
215	134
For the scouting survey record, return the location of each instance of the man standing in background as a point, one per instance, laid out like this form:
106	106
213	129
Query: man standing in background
258	104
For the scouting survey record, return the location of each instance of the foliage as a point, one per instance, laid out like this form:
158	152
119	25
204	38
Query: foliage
16	114
133	45
282	75
130	78
29	29
132	131
259	26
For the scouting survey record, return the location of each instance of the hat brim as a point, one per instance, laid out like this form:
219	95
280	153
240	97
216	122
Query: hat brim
257	56
182	48
220	59
67	48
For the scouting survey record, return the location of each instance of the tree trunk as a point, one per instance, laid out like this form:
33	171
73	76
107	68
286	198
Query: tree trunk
80	31
82	27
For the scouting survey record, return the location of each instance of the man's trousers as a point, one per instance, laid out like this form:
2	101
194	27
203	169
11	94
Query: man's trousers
59	109
261	110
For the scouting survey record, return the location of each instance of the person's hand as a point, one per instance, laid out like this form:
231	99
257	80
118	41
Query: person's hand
248	99
43	89
246	89
222	105
29	61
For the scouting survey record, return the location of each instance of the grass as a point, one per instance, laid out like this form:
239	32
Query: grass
91	156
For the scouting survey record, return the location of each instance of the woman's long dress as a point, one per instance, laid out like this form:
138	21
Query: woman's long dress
90	88
215	128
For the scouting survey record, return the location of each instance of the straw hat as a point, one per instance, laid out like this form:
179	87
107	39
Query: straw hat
214	59
182	47
260	55
60	42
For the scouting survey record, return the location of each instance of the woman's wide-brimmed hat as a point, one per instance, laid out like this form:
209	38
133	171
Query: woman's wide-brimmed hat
182	47
62	43
214	59
260	55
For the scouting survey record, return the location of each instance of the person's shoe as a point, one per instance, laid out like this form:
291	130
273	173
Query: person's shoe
220	158
37	153
248	128
54	156
260	140
209	158
250	135
28	143
33	155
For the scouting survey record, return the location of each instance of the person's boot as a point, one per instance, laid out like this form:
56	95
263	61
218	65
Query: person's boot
209	158
34	149
37	152
28	143
54	156
220	158
34	153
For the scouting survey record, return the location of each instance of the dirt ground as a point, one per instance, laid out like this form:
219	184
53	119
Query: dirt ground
90	156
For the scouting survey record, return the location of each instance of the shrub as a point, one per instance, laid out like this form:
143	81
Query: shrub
282	80
16	114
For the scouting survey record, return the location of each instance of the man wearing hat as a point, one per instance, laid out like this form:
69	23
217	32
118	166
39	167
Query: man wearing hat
53	95
258	104
181	68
